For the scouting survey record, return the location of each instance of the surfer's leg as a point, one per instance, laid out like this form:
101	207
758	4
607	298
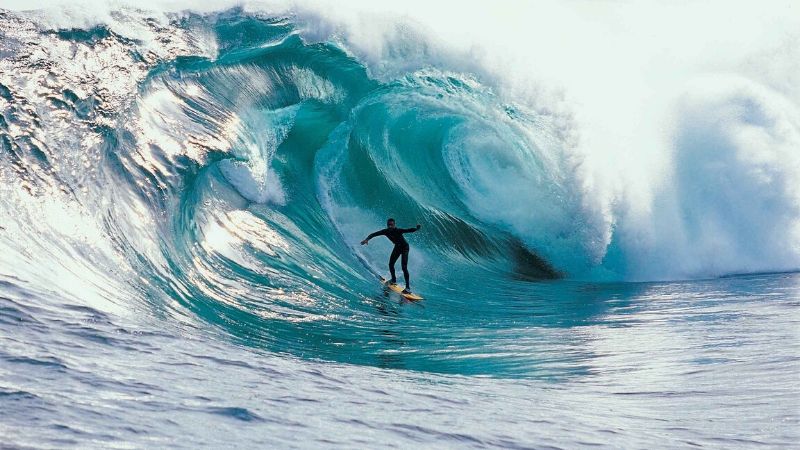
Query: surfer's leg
404	265
392	260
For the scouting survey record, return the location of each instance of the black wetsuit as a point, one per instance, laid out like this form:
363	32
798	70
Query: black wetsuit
400	248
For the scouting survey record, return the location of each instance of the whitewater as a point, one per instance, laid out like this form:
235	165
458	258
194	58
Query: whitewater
609	195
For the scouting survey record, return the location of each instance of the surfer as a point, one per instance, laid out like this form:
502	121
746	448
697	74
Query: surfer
400	249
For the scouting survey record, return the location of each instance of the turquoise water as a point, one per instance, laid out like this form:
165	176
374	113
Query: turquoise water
181	265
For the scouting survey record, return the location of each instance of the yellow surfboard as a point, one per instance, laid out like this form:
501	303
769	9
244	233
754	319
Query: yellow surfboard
396	287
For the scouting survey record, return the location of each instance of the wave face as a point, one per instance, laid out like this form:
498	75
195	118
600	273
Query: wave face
224	167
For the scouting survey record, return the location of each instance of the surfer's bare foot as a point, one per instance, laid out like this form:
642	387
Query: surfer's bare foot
406	291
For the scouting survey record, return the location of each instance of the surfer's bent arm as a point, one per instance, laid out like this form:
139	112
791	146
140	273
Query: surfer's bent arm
377	233
410	230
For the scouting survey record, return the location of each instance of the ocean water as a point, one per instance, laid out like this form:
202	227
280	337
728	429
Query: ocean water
184	192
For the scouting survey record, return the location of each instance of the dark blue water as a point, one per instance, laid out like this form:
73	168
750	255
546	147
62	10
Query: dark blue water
711	363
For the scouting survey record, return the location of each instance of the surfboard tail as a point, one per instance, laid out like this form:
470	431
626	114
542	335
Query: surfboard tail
396	288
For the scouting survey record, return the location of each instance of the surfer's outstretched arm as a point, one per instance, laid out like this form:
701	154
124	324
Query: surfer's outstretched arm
410	230
372	235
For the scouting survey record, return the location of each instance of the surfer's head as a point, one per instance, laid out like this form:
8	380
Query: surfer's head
390	223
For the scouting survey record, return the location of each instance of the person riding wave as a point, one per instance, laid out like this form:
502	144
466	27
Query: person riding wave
401	248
